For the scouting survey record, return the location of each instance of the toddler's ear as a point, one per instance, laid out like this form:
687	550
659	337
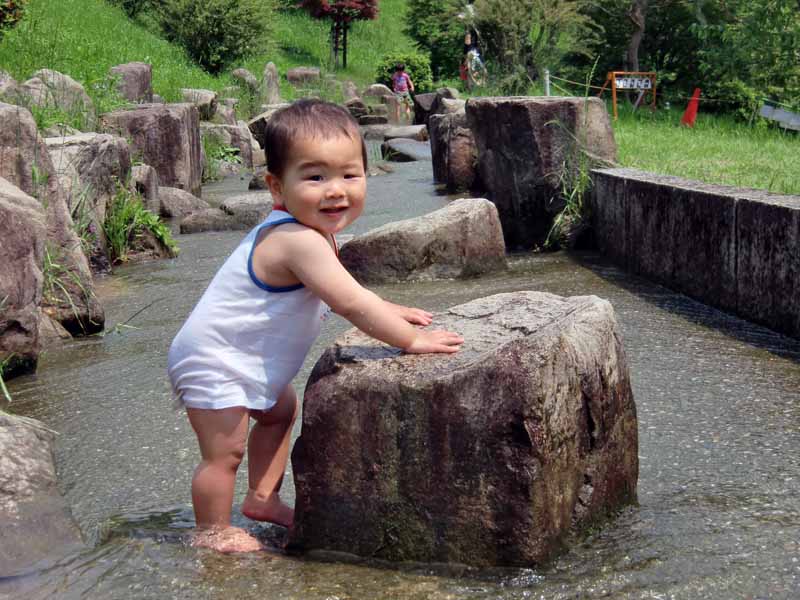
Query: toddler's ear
274	185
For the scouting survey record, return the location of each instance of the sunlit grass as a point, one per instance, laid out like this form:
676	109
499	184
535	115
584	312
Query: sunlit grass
717	150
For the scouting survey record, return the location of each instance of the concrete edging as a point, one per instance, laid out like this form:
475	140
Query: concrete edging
732	248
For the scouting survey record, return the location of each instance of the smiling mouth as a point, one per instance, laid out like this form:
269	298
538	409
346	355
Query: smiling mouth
335	210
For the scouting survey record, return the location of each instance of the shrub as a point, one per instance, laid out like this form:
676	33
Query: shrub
216	32
132	7
435	27
10	13
418	67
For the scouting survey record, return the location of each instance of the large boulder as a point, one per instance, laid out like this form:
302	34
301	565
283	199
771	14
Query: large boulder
377	90
527	148
25	162
427	104
37	523
453	151
349	90
271	85
22	239
491	456
166	137
462	239
91	168
233	136
48	88
10	90
144	180
299	76
411	132
204	100
178	203
405	150
134	81
237	213
258	124
246	80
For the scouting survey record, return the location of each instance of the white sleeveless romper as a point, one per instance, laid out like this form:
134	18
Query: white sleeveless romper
245	340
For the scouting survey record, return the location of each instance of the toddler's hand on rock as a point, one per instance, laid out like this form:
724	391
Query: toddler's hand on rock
435	341
415	316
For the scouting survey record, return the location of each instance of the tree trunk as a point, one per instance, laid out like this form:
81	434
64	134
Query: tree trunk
636	14
345	27
335	36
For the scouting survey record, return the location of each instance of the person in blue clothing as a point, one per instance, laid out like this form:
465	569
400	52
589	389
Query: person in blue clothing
234	358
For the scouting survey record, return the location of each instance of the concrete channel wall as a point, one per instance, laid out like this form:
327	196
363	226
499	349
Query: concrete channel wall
735	249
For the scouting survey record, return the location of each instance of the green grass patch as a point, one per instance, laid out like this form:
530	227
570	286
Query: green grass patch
84	38
126	220
302	41
719	149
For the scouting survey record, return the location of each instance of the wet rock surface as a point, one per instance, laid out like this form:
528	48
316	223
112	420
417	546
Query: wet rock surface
486	457
25	162
175	202
22	231
405	150
462	239
453	151
37	523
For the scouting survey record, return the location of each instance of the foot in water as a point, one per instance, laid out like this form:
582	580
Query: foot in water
268	508
226	540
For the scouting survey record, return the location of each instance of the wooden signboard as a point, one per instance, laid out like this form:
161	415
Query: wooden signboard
637	81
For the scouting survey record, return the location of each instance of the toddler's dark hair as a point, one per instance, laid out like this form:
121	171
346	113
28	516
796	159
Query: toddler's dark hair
307	118
399	67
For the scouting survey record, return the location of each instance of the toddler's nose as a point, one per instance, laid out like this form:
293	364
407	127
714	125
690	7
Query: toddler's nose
335	189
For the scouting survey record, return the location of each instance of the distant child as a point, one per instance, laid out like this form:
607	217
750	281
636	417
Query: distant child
402	86
236	355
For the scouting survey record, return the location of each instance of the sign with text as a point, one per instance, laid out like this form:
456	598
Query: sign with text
635	81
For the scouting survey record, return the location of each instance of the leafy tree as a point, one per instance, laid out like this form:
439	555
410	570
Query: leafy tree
216	32
435	28
10	13
341	13
133	7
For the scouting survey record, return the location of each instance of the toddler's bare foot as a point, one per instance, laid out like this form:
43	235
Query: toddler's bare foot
267	507
226	540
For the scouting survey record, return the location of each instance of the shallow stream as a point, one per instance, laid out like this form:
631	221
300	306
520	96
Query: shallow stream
719	430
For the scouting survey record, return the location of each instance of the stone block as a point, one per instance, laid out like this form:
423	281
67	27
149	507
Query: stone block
463	239
768	260
166	137
527	147
135	81
490	456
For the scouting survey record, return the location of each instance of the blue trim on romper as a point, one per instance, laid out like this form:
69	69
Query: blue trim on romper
256	280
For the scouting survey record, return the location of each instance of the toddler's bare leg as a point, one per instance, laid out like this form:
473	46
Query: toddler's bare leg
268	451
222	435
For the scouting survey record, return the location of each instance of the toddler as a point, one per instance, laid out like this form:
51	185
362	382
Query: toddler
236	355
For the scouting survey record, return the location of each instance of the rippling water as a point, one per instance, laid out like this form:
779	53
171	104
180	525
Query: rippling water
719	421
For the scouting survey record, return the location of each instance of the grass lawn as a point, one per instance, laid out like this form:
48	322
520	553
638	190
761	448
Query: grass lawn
718	149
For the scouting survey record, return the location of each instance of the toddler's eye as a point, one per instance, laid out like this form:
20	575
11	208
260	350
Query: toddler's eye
351	176
314	177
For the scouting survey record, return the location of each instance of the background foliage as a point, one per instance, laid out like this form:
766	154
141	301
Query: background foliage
10	13
215	33
418	67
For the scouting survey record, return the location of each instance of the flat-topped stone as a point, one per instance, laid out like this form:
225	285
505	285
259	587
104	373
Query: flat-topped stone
405	150
164	136
489	456
527	147
37	523
463	239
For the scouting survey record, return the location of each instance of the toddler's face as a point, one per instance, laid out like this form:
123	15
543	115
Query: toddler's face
324	184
